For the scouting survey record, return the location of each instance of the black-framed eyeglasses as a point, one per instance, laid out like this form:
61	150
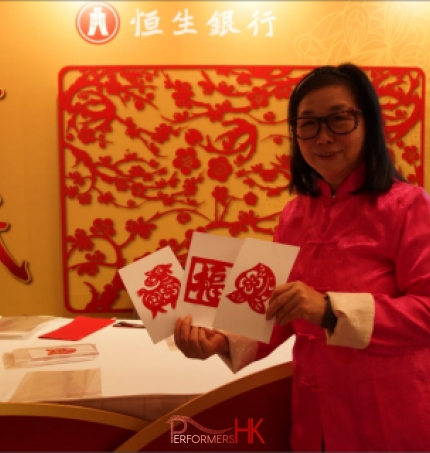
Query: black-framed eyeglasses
342	122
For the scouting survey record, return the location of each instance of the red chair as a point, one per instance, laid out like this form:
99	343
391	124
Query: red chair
252	413
55	427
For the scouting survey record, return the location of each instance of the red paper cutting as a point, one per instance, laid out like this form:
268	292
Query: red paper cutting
206	281
162	289
254	286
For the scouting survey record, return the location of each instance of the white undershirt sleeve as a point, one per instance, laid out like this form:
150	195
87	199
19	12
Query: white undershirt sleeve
356	314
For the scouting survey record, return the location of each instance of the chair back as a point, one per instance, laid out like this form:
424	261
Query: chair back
55	427
252	413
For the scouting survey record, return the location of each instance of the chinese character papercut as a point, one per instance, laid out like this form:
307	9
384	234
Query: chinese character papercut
209	261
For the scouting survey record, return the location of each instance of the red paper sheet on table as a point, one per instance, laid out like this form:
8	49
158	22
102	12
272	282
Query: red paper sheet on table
79	328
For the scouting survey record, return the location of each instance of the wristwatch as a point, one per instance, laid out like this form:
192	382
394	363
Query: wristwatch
329	319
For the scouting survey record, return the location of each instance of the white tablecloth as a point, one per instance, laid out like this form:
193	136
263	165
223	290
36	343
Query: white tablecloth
138	378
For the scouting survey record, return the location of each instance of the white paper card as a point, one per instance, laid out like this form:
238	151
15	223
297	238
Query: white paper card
259	267
153	284
209	260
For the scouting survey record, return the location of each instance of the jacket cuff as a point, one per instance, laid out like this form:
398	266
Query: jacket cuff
356	315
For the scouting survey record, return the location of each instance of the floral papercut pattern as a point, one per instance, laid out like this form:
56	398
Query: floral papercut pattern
254	286
150	154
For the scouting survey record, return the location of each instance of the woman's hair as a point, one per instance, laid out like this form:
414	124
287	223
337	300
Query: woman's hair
379	169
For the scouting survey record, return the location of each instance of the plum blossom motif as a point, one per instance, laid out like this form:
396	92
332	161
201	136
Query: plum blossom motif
221	194
103	227
258	97
81	240
163	132
106	198
219	169
190	186
77	178
250	199
85	198
183	94
254	286
186	160
140	227
87	136
183	217
410	154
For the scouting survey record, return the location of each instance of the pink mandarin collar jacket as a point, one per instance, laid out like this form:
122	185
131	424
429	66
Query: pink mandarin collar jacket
367	385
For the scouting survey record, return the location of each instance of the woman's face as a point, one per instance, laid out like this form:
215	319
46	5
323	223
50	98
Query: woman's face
333	156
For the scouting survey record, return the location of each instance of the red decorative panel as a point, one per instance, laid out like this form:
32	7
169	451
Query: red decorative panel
150	153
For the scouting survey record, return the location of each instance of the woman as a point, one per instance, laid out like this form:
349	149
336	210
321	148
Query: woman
358	296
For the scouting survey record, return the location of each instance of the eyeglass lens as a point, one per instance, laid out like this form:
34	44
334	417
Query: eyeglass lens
338	123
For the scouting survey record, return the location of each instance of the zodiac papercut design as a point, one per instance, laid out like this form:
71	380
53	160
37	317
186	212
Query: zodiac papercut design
206	281
254	286
162	289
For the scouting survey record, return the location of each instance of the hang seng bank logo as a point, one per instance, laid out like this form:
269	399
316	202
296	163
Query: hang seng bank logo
179	435
97	23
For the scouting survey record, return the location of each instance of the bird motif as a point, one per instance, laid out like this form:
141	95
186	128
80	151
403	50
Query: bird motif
162	289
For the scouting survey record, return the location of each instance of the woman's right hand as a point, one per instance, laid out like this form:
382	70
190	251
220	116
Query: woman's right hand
199	342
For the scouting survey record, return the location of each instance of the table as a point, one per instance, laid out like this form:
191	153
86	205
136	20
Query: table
139	378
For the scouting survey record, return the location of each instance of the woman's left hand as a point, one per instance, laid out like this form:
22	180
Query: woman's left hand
296	300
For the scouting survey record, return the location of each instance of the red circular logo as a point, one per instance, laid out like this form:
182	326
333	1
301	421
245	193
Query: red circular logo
97	23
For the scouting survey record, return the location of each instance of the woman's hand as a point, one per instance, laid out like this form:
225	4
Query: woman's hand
198	342
296	300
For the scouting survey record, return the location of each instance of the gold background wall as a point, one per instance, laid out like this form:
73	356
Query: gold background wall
39	38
